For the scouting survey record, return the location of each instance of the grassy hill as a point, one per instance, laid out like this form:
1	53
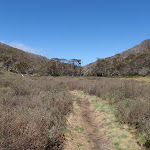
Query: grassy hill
135	61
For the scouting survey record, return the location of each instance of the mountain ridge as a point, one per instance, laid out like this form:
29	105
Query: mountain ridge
140	48
19	61
134	61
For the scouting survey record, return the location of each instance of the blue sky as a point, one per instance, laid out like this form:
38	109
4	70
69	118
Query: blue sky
82	29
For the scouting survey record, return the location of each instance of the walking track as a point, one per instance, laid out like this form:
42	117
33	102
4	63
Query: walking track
87	130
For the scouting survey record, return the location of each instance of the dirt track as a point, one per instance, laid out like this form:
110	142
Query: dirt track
93	126
95	132
85	116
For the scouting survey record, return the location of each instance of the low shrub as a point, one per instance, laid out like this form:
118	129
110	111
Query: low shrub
131	97
32	112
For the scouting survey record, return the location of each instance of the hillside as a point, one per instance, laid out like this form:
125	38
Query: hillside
135	61
10	58
19	61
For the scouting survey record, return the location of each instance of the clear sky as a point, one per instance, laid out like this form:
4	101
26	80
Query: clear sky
82	29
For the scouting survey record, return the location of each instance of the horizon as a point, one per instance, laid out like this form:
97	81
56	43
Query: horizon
83	29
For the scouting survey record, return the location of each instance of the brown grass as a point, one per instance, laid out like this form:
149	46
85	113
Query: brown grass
32	112
145	79
131	97
101	117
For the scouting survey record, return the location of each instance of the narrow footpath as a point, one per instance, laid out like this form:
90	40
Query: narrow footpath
93	126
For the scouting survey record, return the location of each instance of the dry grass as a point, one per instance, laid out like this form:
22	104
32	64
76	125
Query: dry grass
131	97
32	112
145	79
77	131
4	73
119	135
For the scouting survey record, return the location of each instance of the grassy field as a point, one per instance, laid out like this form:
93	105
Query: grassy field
142	79
33	109
4	73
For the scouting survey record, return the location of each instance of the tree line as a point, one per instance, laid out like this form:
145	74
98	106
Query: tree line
53	67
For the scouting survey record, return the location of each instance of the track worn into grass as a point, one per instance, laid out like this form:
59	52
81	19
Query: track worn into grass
85	119
93	126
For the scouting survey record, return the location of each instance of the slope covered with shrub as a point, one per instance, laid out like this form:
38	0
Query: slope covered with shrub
19	61
135	61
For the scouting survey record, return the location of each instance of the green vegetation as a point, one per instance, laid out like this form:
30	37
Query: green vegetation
79	144
21	67
5	73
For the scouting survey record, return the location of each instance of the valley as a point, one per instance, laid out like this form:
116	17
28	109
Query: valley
112	115
56	104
